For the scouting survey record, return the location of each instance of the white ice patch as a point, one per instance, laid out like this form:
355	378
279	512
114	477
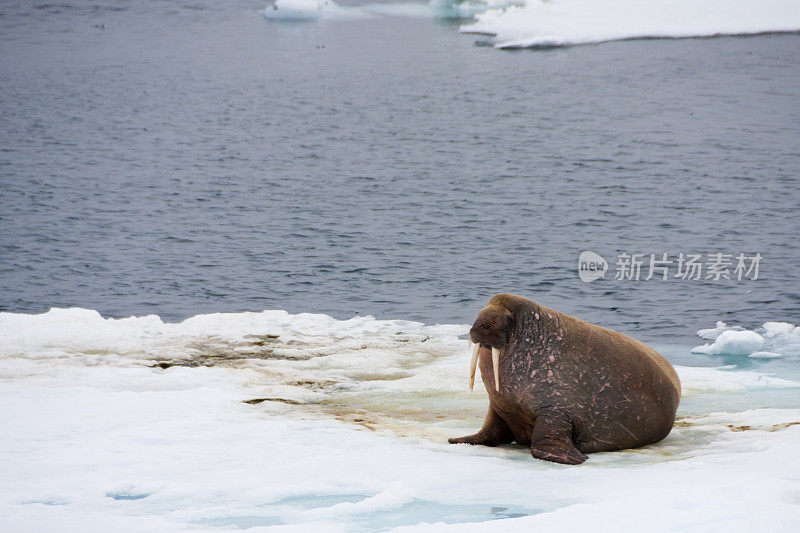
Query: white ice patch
544	23
771	341
62	332
305	357
169	459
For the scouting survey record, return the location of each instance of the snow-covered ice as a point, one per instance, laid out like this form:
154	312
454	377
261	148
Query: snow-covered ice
269	421
543	23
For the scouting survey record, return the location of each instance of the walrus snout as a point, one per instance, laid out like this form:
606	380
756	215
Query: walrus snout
487	338
491	331
492	328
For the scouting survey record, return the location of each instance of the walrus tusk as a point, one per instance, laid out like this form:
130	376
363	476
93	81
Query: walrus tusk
496	365
472	365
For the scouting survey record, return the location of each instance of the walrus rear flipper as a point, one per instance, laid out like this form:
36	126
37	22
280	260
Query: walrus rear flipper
558	452
552	439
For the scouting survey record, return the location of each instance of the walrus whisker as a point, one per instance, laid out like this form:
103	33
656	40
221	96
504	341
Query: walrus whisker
496	365
472	365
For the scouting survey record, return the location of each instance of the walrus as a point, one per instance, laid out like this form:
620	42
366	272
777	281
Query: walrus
567	387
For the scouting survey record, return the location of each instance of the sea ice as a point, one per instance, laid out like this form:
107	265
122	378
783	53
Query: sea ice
295	422
542	23
772	340
732	343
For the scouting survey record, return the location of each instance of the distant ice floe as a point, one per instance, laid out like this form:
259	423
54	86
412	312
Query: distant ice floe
454	9
552	23
311	10
549	23
306	10
771	341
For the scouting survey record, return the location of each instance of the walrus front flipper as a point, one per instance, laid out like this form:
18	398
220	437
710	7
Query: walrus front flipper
494	432
552	439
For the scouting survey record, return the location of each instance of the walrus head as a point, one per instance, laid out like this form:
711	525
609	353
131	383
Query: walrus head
491	331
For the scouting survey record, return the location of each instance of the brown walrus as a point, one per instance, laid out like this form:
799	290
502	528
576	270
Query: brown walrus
565	386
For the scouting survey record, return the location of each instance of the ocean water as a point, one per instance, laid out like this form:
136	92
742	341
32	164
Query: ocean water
188	158
241	247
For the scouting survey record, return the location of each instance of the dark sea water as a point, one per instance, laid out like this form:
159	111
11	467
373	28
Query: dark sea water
184	158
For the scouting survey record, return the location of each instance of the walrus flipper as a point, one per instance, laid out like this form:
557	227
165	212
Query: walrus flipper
552	439
494	432
558	452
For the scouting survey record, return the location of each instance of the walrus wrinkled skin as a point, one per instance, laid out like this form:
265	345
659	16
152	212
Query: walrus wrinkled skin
568	387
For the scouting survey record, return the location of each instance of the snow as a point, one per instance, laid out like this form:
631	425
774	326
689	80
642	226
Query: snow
545	23
99	437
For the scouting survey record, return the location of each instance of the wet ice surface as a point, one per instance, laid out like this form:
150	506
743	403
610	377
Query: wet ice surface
269	419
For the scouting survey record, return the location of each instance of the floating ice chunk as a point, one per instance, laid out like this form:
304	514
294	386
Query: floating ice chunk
775	329
713	333
781	337
732	343
778	339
